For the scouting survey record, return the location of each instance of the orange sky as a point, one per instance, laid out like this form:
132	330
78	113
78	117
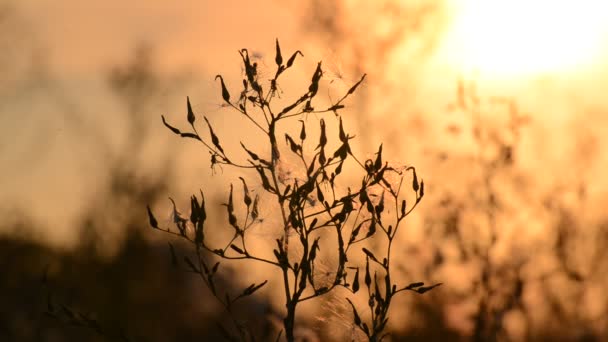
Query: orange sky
80	39
84	35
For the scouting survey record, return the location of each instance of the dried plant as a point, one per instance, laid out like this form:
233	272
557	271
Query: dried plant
312	208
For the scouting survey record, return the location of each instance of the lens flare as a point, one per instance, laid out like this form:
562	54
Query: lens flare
526	37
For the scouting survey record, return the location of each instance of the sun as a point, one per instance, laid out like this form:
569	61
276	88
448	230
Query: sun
526	37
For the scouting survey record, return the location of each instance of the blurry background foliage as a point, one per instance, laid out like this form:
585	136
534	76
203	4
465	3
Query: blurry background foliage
513	220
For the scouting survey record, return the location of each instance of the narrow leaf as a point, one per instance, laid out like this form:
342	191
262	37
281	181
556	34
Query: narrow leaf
313	250
199	236
202	213
357	319
339	167
363	198
230	210
414	285
214	139
356	282
378	162
173	255
190	135
191	116
237	249
259	286
380	206
323	136
354	87
230	202
320	194
369	254
251	154
254	212
369	206
313	224
246	197
265	182
151	218
355	232
303	131
424	289
314	85
194	210
290	107
371	230
421	189
295	148
278	58
311	167
368	278
387	281
173	129
253	287
286	191
293	58
342	151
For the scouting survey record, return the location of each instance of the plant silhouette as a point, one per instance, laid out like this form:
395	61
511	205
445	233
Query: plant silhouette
312	209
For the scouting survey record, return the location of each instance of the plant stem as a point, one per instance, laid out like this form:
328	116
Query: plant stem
289	320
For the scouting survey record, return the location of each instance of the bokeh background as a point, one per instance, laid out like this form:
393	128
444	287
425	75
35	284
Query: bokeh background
501	107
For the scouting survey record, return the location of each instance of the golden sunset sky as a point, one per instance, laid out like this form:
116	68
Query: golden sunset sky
56	105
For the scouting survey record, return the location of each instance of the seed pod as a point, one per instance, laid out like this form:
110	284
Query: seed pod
225	93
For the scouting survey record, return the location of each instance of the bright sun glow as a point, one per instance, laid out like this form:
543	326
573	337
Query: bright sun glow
524	37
